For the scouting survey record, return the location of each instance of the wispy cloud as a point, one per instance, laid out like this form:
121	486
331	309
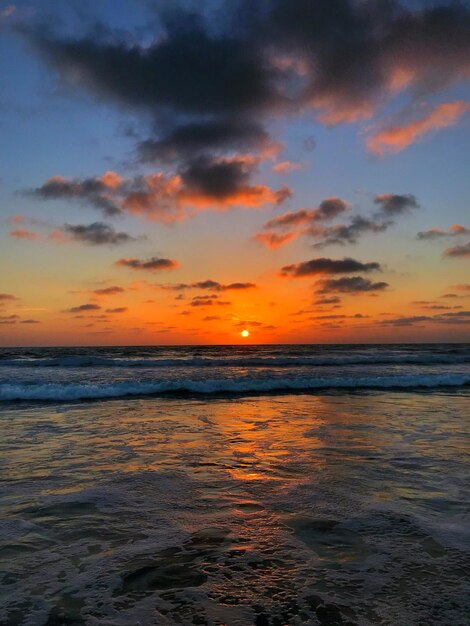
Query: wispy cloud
394	139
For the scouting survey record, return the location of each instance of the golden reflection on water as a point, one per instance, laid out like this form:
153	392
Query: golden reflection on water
247	500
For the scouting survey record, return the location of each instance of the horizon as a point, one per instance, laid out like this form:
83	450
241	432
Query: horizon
180	175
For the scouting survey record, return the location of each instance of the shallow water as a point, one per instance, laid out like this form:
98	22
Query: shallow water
339	508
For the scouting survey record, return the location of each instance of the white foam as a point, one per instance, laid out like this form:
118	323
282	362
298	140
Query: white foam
246	385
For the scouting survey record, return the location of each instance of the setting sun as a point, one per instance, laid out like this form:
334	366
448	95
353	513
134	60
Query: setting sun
245	333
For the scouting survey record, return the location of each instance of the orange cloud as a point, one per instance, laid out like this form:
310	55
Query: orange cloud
284	167
396	138
275	240
24	234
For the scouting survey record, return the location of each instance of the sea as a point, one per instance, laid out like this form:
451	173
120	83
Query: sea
235	485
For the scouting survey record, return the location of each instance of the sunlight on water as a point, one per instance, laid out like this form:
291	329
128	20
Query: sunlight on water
267	510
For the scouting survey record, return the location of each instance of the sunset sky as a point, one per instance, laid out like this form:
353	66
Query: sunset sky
178	172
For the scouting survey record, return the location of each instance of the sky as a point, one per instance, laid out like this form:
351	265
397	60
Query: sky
179	172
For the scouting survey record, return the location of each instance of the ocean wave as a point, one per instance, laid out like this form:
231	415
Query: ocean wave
282	362
240	386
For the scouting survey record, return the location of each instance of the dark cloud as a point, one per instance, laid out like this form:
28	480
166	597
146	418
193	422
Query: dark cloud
405	321
152	264
96	192
343	234
9	318
437	233
309	222
349	284
7	297
339	57
224	179
458	251
119	309
84	308
97	233
456	318
108	291
332	300
212	285
327	210
202	183
194	139
392	204
323	265
30	322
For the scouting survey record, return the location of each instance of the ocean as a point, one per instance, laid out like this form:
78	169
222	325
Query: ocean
233	485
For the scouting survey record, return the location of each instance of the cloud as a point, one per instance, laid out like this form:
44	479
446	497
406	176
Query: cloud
303	221
394	139
152	264
453	318
436	233
309	222
224	182
340	58
82	308
322	265
274	240
326	210
349	284
212	285
119	309
458	251
342	234
95	192
285	167
7	297
108	291
204	183
24	234
97	233
194	139
30	322
392	204
331	300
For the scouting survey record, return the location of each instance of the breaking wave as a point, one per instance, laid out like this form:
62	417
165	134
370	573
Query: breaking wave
240	386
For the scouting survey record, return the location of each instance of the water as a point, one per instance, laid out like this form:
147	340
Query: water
223	485
83	373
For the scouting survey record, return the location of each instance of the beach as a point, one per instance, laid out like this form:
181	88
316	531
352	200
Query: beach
335	506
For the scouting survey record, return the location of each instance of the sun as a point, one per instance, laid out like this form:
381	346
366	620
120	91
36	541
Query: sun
245	333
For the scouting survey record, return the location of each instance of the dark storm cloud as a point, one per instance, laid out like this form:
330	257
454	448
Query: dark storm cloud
462	251
97	233
392	204
84	308
323	265
349	284
341	58
152	264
